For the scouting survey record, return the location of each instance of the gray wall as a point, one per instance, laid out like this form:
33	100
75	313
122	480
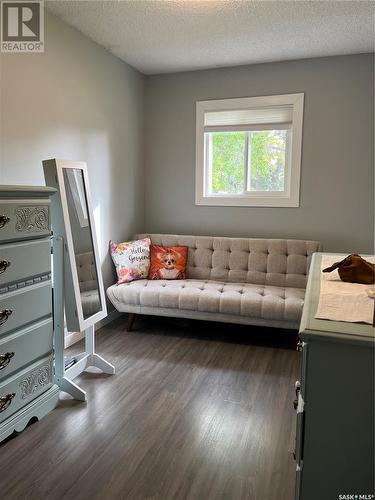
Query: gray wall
77	101
337	183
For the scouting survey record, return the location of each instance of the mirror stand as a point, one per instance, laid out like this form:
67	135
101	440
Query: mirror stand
79	296
63	377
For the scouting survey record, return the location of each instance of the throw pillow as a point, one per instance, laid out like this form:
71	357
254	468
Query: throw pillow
132	259
168	263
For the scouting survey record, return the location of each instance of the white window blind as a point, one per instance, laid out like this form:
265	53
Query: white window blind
255	117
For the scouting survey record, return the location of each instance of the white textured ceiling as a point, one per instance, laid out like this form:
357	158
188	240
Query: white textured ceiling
158	36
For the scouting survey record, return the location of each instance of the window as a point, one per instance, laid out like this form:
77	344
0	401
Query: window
249	151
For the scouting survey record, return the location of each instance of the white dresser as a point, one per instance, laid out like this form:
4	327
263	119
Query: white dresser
26	325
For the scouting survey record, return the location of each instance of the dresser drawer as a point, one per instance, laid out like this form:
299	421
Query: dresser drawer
20	261
23	387
25	306
24	219
25	346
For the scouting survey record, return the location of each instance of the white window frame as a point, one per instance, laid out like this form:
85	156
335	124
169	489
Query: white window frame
290	197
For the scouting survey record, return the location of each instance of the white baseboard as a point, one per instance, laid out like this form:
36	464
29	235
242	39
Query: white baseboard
74	337
111	316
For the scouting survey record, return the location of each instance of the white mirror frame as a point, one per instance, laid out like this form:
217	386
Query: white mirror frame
53	173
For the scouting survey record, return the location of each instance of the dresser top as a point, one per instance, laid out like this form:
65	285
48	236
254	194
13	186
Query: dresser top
326	329
19	191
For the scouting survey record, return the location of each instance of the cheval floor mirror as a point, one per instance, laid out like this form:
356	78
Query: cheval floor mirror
78	290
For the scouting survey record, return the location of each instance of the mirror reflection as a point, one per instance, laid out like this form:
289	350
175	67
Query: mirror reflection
82	241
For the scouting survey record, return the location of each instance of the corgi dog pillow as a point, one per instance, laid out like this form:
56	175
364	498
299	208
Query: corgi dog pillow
168	263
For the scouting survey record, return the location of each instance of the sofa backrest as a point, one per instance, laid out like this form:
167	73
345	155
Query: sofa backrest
244	260
86	271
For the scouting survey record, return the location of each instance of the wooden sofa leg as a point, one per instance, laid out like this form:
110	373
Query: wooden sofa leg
131	319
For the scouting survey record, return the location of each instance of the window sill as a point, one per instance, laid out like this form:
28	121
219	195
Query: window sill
247	201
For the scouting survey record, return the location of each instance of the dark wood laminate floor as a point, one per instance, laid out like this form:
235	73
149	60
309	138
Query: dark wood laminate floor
195	411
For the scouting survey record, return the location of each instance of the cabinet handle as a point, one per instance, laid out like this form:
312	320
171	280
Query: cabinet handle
4	220
299	346
5	359
4	315
297	388
6	400
4	264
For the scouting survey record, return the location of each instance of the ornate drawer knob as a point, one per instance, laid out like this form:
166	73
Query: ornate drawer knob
4	264
4	220
5	359
6	400
4	315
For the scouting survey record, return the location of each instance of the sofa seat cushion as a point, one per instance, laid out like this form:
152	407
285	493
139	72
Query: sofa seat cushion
243	299
90	302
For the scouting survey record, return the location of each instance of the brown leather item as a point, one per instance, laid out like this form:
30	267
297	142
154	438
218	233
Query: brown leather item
354	269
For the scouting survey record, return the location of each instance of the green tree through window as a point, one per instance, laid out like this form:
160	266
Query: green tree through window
264	153
228	156
266	160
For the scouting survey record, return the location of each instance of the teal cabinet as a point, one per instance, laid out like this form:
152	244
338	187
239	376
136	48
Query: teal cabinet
335	404
26	327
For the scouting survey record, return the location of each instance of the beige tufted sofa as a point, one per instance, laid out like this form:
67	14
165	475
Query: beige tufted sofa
236	280
88	283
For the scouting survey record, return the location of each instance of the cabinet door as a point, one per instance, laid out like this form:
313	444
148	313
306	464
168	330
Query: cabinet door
338	429
300	409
